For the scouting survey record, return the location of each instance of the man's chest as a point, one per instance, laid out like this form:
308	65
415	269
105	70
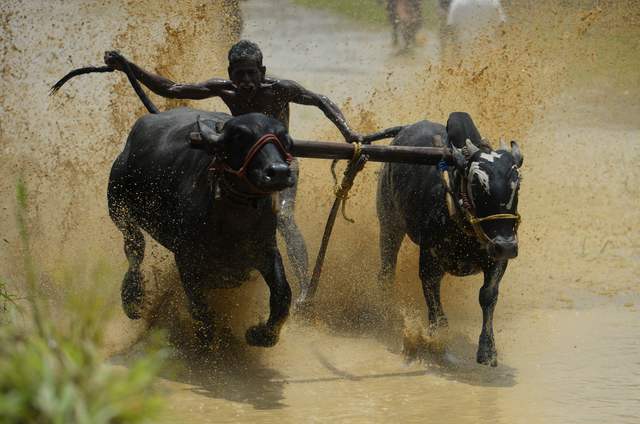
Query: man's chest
261	103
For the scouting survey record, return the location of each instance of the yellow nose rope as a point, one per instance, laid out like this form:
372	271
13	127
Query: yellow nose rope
473	220
341	190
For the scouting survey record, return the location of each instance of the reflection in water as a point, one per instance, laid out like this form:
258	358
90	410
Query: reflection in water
586	370
240	378
442	357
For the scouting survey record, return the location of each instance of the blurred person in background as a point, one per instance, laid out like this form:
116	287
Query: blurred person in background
466	26
405	17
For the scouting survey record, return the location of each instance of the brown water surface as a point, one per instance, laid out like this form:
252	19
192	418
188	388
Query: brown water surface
567	321
557	365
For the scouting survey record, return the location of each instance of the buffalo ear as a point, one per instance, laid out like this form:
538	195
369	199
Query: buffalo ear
205	138
208	133
516	153
459	159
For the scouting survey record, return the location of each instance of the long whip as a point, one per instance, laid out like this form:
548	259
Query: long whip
101	69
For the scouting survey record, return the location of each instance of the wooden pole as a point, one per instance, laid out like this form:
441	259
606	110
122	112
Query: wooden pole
368	152
350	173
375	153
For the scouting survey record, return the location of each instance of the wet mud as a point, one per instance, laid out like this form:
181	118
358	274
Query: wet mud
561	80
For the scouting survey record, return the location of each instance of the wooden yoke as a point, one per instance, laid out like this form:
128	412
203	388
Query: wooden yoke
357	154
374	153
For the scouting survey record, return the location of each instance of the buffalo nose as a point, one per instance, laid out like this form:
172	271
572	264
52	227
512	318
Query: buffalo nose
504	248
278	173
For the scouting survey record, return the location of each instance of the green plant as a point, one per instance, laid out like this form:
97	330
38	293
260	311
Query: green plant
53	371
6	298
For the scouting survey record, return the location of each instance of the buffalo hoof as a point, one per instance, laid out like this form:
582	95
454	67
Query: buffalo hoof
385	281
302	306
262	335
436	327
225	339
487	355
204	337
132	294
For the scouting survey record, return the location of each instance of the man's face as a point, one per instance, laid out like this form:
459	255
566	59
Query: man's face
246	75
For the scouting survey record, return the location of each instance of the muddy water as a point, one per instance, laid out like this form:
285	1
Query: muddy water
568	318
557	366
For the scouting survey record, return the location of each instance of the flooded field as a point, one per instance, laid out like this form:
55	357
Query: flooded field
568	317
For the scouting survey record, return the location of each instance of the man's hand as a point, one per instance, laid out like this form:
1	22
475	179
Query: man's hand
115	60
354	137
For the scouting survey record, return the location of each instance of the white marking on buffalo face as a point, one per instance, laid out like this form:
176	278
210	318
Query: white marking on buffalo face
514	185
482	175
489	157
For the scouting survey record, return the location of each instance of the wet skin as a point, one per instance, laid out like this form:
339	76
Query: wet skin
411	201
159	184
248	90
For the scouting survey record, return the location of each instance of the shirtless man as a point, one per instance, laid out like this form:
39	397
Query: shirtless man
247	91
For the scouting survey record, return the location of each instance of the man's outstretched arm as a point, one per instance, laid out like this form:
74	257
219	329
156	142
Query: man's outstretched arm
298	94
165	87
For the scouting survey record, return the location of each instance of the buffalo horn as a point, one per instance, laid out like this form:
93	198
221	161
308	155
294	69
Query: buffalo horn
209	135
503	145
470	148
517	154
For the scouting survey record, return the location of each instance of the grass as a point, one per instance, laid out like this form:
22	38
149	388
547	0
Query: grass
370	12
52	369
6	299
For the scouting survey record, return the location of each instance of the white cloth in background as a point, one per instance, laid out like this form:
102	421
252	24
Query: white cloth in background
473	18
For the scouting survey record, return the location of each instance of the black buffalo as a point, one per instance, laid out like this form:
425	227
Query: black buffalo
207	197
464	220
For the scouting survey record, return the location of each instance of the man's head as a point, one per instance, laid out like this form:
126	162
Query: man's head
245	66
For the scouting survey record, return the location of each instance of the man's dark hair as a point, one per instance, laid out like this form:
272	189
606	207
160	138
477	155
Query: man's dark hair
245	50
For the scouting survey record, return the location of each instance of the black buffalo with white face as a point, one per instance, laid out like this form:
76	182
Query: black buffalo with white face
465	220
206	195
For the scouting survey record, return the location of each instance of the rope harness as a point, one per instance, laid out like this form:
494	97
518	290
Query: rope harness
219	167
341	192
463	212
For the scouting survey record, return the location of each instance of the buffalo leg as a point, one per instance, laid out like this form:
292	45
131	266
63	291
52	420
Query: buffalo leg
431	275
487	354
296	247
266	334
392	14
410	16
132	291
193	284
391	236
